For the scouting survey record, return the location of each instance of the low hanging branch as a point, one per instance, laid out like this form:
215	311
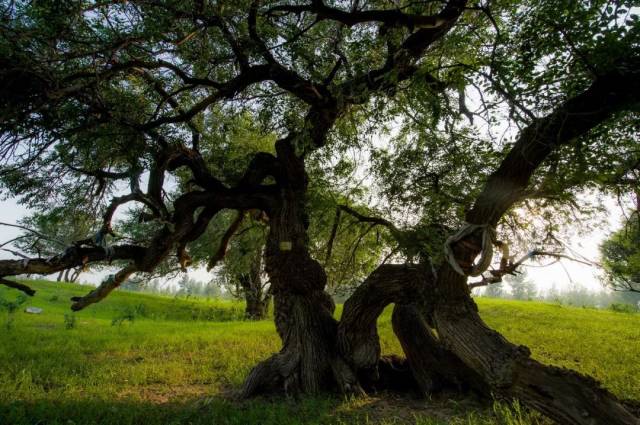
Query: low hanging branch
105	288
19	286
179	229
73	257
224	242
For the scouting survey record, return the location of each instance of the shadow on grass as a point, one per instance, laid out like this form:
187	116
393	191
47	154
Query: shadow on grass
385	408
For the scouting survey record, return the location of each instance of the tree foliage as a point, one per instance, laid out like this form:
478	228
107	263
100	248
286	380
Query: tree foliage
621	257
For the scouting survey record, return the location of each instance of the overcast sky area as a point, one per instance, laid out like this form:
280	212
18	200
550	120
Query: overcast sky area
562	274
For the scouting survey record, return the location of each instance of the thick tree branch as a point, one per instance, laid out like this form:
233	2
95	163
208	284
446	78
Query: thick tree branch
72	257
104	289
19	286
393	17
400	64
358	340
610	93
183	156
563	395
312	94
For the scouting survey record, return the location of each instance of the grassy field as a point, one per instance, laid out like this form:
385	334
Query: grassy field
143	359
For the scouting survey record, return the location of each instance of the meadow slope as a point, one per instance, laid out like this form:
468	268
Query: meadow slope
145	359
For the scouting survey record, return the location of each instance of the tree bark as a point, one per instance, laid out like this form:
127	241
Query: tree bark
257	304
358	339
563	395
431	367
303	312
308	361
434	367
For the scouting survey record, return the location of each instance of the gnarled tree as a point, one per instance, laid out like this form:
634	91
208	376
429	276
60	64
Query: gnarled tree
112	95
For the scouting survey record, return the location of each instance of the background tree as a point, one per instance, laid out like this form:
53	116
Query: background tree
621	257
242	272
522	288
189	286
495	290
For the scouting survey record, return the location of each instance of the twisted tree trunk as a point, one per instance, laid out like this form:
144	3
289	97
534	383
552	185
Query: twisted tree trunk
308	361
318	352
563	395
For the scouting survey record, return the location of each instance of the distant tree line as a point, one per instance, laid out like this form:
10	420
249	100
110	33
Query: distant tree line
521	287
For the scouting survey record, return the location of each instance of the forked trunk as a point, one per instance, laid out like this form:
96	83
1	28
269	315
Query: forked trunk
433	366
320	353
410	287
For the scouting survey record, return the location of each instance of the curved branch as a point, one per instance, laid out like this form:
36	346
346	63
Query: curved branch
72	257
224	242
19	286
370	219
247	77
608	94
400	62
392	17
565	396
358	340
104	289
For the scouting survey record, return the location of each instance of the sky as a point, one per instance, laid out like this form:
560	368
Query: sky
562	274
566	273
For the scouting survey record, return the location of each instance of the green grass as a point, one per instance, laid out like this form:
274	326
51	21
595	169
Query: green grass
181	361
